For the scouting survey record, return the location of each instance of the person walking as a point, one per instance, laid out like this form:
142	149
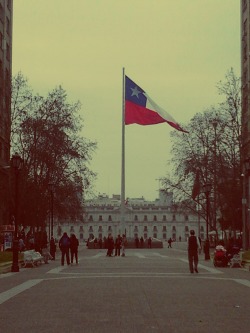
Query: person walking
142	242
124	242
118	242
52	248
193	247
74	243
170	243
64	245
110	245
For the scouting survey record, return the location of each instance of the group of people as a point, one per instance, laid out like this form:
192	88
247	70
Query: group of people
33	240
118	245
69	248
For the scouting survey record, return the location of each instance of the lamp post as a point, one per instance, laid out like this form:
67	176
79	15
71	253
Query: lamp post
207	189
16	163
215	124
52	190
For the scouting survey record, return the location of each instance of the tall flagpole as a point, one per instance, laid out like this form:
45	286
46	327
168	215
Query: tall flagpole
122	223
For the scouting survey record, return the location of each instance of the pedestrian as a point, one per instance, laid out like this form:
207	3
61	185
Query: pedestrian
21	244
64	244
170	243
100	243
136	241
52	248
149	242
124	242
118	243
74	243
110	245
142	241
193	247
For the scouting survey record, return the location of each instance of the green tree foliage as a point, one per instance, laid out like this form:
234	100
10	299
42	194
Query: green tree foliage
47	133
212	148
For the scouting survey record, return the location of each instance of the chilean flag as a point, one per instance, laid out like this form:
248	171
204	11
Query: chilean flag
141	109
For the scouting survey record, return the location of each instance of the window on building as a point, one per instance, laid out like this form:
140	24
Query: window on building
186	228
7	26
202	228
100	228
7	52
164	228
174	236
244	5
1	13
186	217
1	40
145	228
136	228
145	235
164	235
173	228
100	217
145	218
90	228
81	236
90	218
109	228
72	229
155	228
81	229
110	218
164	218
155	218
155	235
173	217
136	218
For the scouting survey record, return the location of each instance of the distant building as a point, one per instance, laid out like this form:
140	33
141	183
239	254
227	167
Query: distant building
158	219
5	104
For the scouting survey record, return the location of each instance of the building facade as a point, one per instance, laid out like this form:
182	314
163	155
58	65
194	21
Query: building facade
5	104
158	219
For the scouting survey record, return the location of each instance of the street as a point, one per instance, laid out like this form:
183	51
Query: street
148	290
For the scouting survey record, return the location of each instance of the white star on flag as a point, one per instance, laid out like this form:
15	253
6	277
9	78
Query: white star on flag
135	92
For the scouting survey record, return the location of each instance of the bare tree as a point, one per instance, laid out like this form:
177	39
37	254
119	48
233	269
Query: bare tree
212	147
47	133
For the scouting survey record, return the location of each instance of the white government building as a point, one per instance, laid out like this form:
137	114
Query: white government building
158	219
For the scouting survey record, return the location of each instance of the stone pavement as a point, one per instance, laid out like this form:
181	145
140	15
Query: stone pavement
149	290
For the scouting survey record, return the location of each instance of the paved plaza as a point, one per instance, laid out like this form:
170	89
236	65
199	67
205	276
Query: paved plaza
149	290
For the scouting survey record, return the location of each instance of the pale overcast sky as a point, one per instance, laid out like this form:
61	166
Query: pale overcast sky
176	50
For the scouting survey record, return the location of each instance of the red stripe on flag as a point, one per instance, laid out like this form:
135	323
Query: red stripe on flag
136	114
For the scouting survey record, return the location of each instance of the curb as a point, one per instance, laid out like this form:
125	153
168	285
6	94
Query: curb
6	267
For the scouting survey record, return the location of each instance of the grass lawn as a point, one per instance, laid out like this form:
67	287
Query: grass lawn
6	256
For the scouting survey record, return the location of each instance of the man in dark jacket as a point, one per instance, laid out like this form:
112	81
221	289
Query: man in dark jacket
110	244
74	243
193	246
64	245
